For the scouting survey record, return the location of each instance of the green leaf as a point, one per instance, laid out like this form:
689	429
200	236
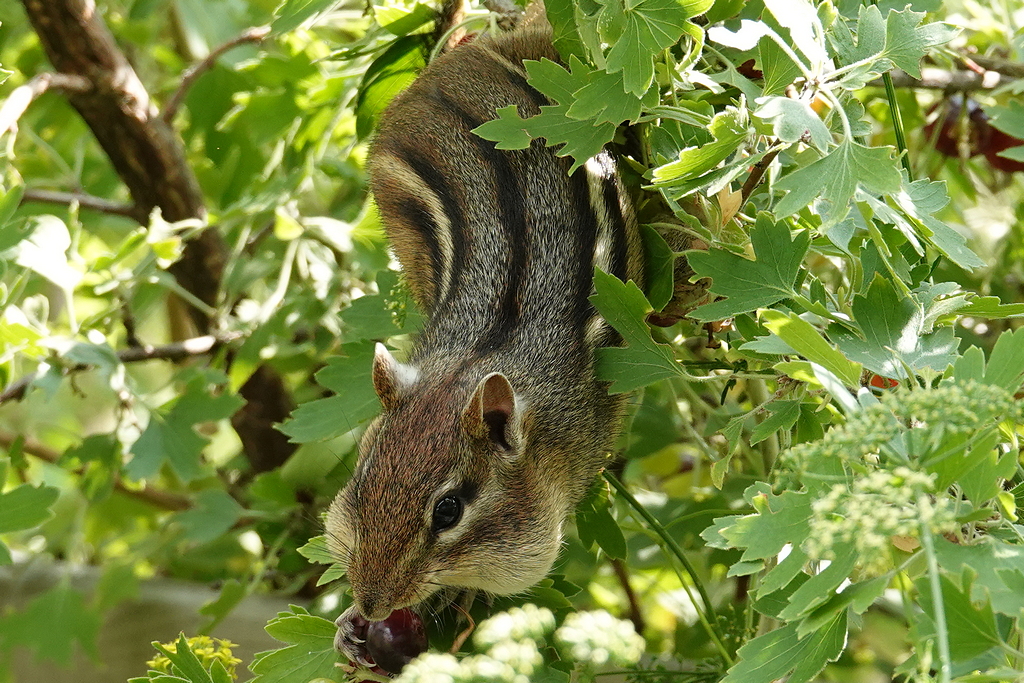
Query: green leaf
232	592
316	551
778	68
983	481
1009	118
356	401
292	13
579	139
971	628
821	587
644	361
906	42
997	568
508	130
566	34
799	17
729	131
383	315
803	338
782	654
793	120
45	252
170	436
401	20
894	338
660	264
922	198
214	513
778	520
51	624
992	308
594	522
26	507
783	415
184	661
747	284
833	179
602	99
1006	362
310	652
646	27
387	76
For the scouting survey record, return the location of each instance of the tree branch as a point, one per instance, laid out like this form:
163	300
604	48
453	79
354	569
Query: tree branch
22	96
86	201
188	348
1011	69
949	81
156	497
150	159
251	35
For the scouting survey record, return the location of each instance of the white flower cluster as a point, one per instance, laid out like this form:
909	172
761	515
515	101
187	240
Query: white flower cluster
528	621
598	638
512	653
870	511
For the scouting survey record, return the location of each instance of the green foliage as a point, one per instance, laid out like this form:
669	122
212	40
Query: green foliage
828	487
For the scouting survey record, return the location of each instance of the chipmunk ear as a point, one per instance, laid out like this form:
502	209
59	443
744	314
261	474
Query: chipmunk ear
492	412
391	380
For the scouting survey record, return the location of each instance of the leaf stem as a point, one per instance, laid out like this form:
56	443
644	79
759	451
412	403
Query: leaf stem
709	620
941	630
897	124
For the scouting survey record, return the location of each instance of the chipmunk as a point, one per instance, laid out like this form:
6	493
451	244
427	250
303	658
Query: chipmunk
497	425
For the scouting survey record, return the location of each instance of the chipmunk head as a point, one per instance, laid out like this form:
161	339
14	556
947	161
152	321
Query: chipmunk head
445	492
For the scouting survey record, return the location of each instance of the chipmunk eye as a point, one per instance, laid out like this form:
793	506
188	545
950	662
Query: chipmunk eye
447	513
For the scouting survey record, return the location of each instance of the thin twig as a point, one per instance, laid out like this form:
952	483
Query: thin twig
949	81
197	346
251	35
636	615
157	497
706	611
86	201
1011	69
757	174
22	96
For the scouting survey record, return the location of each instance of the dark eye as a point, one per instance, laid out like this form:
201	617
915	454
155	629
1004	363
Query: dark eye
447	513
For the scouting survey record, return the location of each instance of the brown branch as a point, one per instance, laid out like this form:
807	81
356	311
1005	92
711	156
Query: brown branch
251	35
159	498
150	159
22	96
86	201
636	615
1011	69
949	81
757	174
188	348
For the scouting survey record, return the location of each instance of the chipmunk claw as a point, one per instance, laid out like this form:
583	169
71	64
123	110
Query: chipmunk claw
350	640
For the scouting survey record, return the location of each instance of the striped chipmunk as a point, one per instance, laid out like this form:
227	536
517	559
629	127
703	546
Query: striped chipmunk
496	425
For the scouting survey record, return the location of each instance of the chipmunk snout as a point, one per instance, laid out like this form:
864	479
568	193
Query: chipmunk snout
372	607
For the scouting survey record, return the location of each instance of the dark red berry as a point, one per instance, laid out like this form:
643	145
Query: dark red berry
397	640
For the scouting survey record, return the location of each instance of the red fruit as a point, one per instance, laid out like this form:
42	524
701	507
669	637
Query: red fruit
880	382
975	130
998	142
952	123
397	640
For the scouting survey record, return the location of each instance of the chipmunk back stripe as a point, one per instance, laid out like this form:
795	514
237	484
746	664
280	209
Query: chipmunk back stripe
416	209
505	194
438	185
586	235
619	262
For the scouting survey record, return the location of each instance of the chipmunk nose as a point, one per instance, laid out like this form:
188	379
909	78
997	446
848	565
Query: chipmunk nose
373	608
